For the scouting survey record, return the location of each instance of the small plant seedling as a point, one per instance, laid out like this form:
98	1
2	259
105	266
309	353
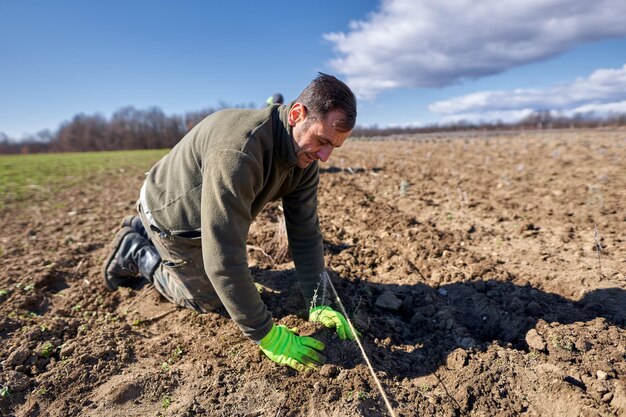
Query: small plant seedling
82	329
111	318
166	402
562	343
5	392
77	307
598	248
176	354
29	287
46	350
4	293
360	395
404	187
40	392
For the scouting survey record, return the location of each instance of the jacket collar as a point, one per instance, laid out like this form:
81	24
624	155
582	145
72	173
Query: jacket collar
284	135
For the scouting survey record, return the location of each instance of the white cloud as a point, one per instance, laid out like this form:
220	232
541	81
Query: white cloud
512	116
425	43
505	116
603	92
598	109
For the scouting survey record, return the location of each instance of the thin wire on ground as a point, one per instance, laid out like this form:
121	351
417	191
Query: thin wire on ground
325	278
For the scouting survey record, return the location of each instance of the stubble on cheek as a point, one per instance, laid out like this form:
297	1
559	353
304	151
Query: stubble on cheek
305	159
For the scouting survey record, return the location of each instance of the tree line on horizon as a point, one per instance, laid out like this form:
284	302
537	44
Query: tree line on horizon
129	128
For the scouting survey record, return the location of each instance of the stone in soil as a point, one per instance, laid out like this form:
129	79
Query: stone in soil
535	341
388	300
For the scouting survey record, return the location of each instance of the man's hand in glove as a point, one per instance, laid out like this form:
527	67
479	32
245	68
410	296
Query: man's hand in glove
284	346
333	319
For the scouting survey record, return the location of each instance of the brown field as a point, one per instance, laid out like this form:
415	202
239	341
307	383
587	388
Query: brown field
470	263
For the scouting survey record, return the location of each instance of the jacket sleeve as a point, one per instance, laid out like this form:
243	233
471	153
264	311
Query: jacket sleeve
304	234
228	191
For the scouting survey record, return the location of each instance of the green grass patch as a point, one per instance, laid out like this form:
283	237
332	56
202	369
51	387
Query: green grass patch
27	177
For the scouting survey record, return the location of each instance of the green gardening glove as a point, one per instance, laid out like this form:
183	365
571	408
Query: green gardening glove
285	347
332	319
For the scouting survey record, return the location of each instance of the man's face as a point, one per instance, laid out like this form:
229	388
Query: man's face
314	140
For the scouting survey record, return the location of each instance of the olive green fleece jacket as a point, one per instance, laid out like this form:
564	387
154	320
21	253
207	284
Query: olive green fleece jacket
217	179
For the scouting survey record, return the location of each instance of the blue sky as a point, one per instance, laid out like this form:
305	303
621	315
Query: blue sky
411	62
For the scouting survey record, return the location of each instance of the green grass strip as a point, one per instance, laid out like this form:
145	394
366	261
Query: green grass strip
24	178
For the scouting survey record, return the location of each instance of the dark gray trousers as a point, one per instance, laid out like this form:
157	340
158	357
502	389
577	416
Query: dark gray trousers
181	277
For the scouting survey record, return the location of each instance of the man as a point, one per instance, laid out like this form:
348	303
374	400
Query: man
275	98
197	204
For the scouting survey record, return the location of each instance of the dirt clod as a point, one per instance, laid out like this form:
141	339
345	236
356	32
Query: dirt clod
18	356
389	301
457	359
535	341
533	309
16	381
329	371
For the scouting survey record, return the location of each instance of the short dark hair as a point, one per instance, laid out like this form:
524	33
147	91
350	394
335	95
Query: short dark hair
325	94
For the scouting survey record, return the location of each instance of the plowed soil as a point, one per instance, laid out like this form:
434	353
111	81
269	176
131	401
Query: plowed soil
486	273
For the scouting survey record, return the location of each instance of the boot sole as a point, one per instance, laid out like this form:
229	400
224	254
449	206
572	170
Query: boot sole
114	247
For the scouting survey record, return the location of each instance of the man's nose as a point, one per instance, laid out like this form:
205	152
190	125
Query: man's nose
324	153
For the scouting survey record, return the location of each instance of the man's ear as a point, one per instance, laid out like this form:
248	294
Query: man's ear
297	114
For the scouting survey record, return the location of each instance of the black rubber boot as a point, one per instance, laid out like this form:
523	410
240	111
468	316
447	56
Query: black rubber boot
134	222
131	255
